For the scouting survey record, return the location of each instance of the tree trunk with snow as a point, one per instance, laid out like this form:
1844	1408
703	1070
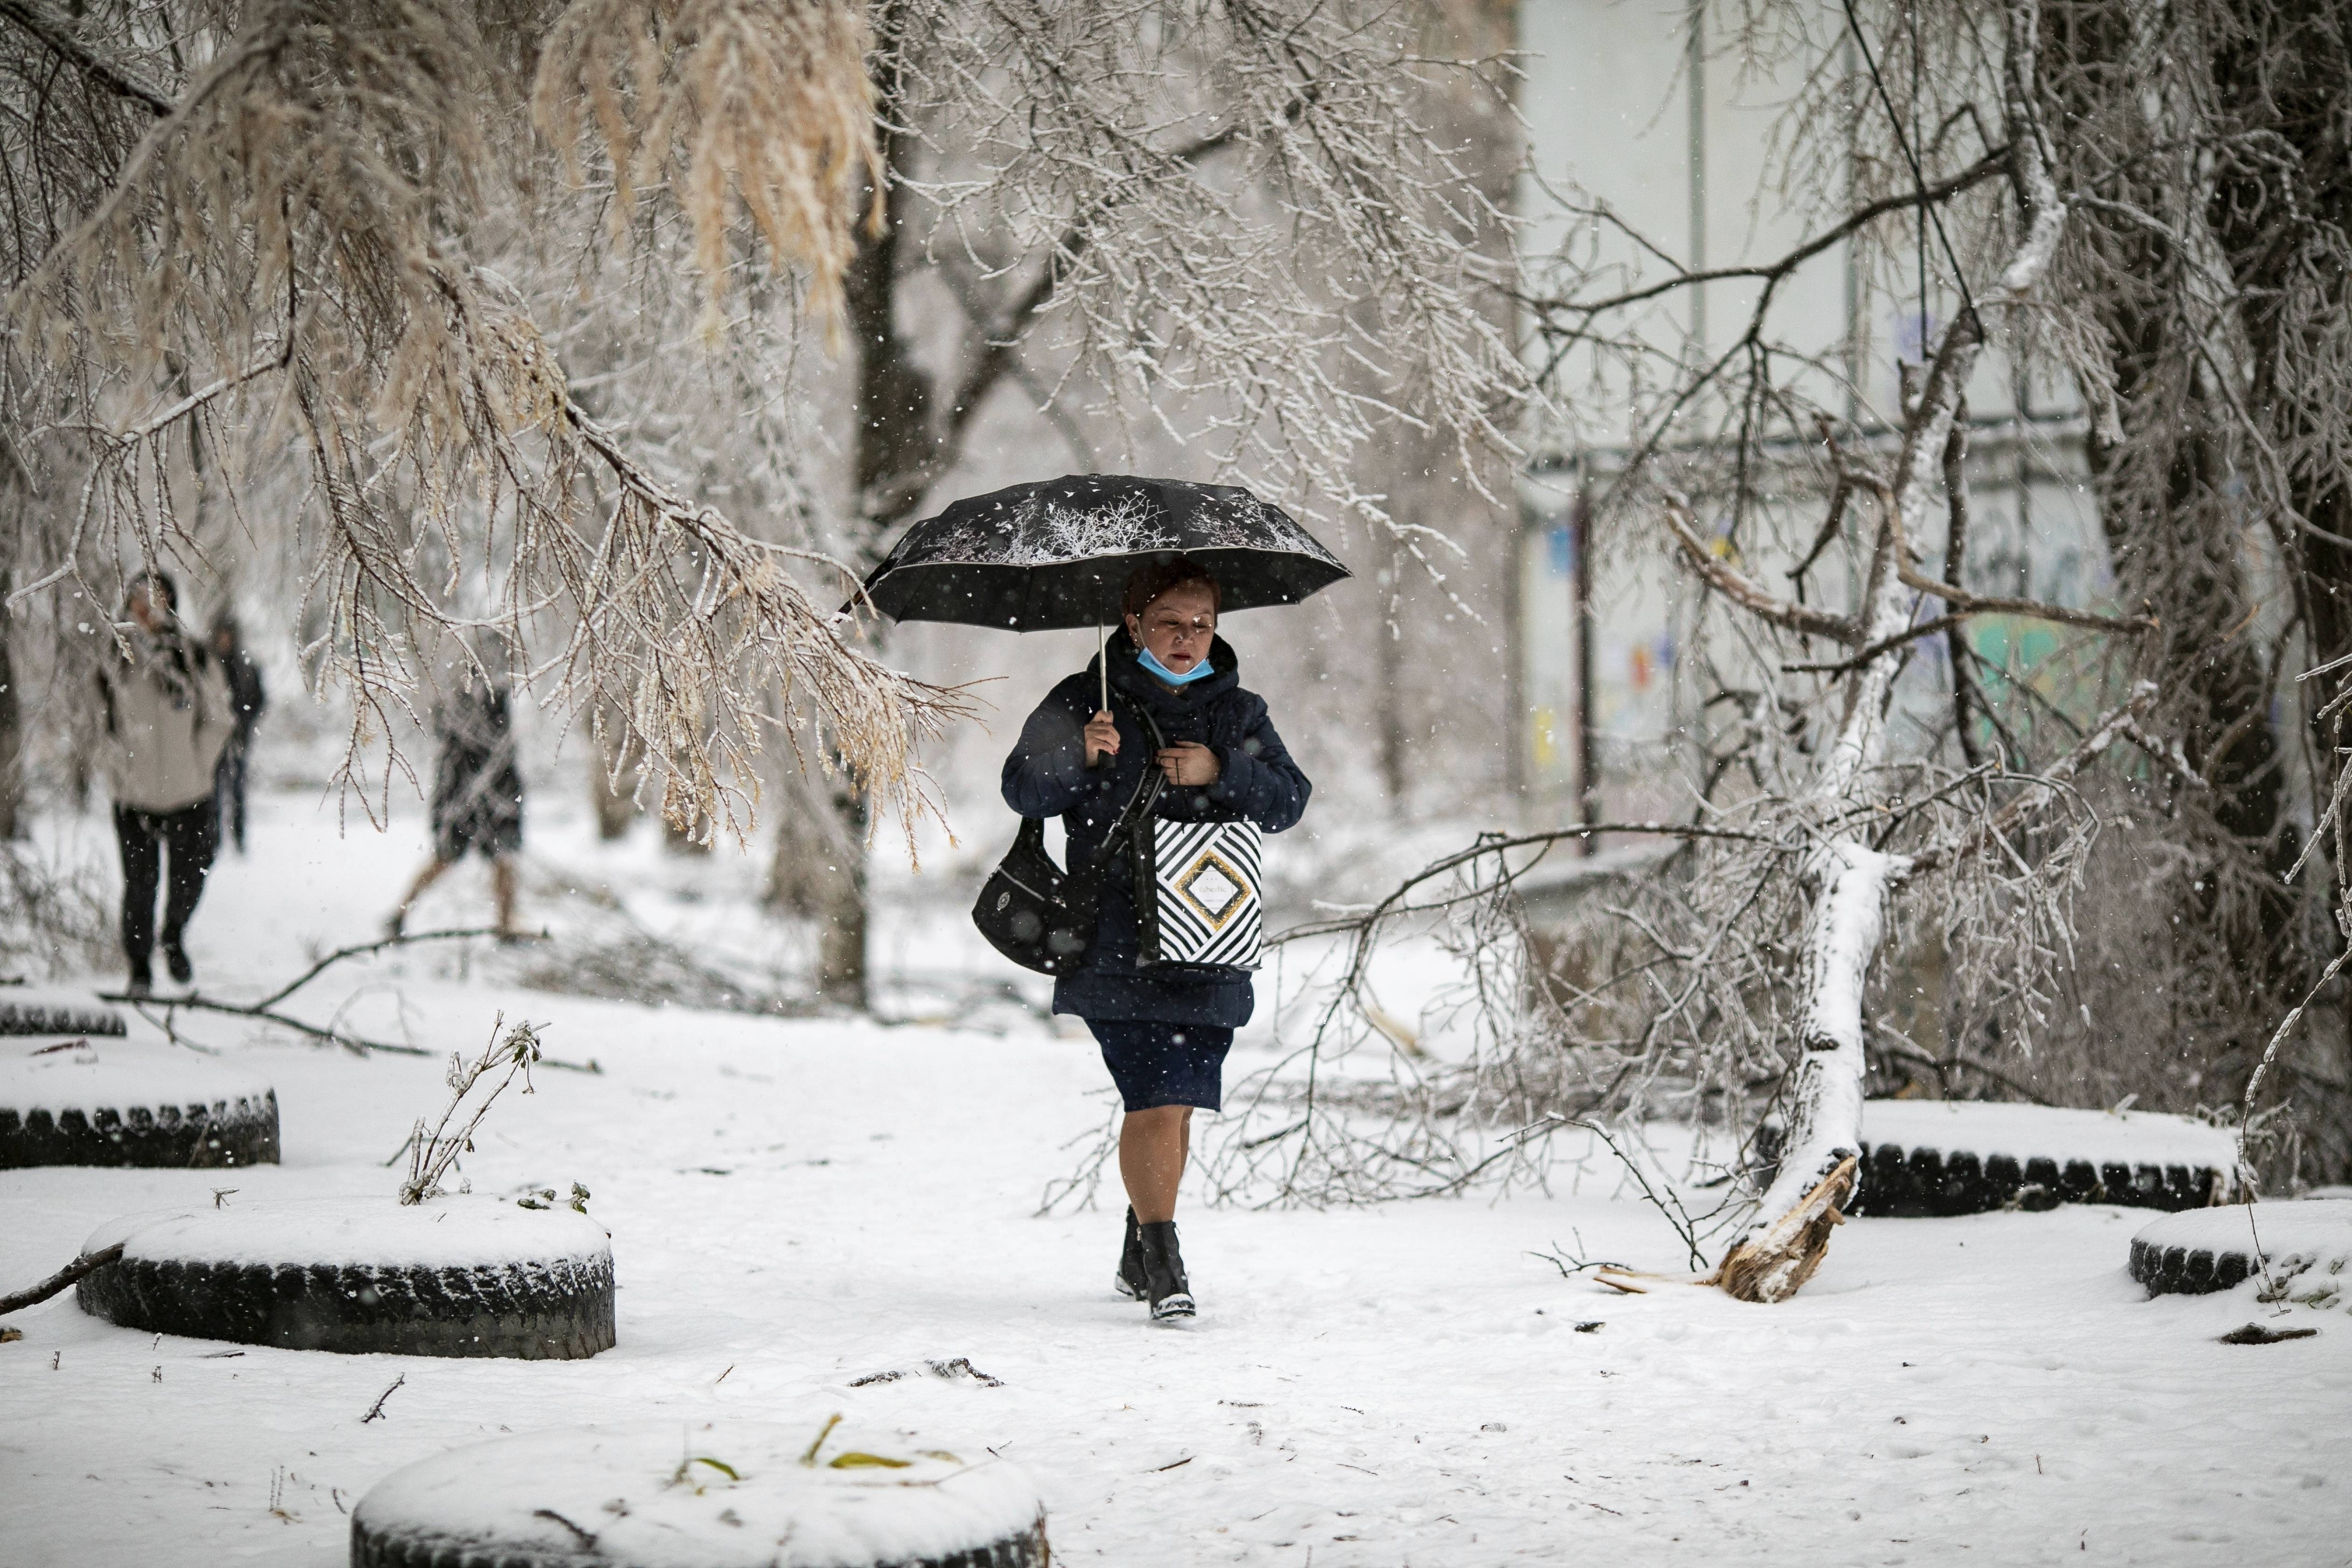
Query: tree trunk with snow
1850	883
1818	1159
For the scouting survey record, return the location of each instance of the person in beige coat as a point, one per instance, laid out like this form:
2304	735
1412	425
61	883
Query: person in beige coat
168	713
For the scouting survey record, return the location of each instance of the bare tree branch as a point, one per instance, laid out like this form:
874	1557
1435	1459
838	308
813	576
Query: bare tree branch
56	36
1743	591
88	1263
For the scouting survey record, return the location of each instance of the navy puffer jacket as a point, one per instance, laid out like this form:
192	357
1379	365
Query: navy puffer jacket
1047	775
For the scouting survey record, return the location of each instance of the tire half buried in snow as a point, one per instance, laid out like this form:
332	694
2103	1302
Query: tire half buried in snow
39	1010
94	1099
728	1494
1928	1158
2306	1246
455	1277
1948	1157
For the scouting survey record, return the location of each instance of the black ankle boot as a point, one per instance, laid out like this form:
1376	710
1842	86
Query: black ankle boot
1130	1279
1163	1272
175	962
142	978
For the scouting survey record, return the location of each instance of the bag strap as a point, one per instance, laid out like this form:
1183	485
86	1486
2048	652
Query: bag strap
1138	804
1141	804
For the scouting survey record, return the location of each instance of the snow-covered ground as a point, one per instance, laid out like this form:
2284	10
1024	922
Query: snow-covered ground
796	1203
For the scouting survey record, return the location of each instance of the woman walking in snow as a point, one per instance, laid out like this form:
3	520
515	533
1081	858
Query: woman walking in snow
477	798
1163	1033
166	707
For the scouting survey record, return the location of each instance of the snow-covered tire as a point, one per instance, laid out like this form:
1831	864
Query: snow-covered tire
1925	1183
363	1276
80	1100
1927	1158
391	1548
2307	1247
734	1494
28	1010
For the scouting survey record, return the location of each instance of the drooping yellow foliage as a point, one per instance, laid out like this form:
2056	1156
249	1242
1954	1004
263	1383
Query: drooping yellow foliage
764	102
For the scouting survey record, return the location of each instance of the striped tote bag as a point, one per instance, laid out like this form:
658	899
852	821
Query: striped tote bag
1202	904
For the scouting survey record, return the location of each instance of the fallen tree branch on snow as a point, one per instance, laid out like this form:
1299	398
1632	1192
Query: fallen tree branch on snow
88	1263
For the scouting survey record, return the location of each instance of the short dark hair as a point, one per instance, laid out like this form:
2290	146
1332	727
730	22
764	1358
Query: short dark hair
1170	572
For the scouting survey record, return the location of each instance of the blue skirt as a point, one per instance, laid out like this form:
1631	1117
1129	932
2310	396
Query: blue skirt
1155	1063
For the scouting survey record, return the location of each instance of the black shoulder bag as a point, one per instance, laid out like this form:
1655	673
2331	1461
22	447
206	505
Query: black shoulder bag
1042	917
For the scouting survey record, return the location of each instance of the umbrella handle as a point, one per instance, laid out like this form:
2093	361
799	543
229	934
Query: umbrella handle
1102	667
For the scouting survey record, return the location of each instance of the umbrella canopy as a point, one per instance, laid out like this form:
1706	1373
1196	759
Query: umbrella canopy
1054	554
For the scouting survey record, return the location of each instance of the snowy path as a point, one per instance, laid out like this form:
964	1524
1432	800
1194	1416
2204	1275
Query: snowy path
793	1205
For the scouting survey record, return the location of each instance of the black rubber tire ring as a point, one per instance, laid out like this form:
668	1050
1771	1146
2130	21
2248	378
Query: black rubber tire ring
242	1131
394	1548
29	1015
2186	1271
1919	1184
538	1310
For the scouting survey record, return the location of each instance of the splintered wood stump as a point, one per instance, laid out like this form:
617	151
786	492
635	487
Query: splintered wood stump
1774	1264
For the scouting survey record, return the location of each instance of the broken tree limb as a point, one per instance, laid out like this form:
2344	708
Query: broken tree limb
1745	591
266	1010
361	949
1849	881
88	1263
326	1035
1842	936
1786	1252
1398	902
2116	724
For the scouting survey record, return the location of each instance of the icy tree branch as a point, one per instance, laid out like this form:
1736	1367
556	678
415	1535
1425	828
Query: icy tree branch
1743	590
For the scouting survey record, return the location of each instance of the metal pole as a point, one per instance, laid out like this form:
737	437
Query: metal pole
1102	661
1580	543
1694	62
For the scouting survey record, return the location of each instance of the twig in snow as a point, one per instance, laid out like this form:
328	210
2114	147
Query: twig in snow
1086	1180
1569	1265
1677	1217
432	1154
959	1367
375	1411
2255	1334
88	1263
587	1542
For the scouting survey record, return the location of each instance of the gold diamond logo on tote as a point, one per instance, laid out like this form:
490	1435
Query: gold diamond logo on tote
1214	888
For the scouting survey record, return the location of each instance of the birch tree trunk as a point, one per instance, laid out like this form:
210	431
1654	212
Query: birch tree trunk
1851	883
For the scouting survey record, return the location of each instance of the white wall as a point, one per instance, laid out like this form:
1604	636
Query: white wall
1608	102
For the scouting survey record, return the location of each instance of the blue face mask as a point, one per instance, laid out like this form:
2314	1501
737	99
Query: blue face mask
1143	657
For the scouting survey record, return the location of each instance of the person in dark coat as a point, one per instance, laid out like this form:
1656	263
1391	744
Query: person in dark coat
477	798
246	700
1163	1036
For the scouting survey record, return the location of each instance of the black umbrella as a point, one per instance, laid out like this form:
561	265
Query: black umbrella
1054	554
